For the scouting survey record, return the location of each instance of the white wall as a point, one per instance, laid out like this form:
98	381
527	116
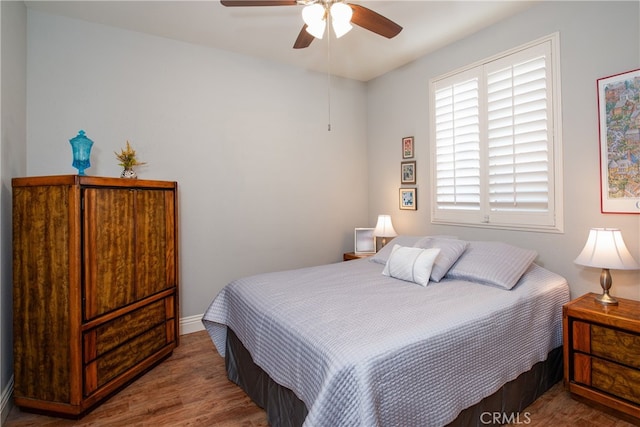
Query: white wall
263	185
13	94
597	39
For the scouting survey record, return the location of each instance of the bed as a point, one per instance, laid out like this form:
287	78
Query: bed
431	331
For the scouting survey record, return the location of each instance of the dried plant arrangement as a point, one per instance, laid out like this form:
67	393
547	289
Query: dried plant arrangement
127	157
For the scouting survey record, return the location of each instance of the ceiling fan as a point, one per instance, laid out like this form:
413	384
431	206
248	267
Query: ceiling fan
317	12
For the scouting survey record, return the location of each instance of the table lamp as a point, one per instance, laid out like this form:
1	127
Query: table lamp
384	228
605	249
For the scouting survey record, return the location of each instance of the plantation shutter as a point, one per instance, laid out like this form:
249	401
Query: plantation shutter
458	145
494	142
518	134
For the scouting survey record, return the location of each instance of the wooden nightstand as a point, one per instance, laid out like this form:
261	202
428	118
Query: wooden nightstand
348	256
602	354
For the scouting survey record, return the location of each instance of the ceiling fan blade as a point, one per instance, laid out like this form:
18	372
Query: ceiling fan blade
372	21
304	39
236	3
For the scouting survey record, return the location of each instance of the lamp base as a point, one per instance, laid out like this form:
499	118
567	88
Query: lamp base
605	283
606	299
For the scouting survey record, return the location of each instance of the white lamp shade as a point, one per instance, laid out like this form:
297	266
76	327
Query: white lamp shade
313	16
317	29
340	18
341	12
605	248
384	227
341	28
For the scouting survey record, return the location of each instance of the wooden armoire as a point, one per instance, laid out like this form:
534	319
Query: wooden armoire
95	287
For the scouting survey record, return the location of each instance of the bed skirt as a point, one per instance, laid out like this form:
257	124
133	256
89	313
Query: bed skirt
284	409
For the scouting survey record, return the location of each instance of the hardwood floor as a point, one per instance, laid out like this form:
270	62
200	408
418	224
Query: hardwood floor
191	389
188	389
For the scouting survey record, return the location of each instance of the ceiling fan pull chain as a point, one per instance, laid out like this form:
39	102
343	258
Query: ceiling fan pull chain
329	81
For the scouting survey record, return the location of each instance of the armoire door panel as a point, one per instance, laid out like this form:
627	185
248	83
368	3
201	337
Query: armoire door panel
109	247
41	293
170	255
151	243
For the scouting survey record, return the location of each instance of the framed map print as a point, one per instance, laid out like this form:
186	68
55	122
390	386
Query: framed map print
619	123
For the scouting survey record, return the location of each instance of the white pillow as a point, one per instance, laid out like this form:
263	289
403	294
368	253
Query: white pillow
411	264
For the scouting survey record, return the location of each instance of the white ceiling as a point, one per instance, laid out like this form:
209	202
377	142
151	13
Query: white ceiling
269	32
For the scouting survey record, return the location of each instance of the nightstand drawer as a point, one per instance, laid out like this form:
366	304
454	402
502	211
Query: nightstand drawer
615	379
615	345
348	256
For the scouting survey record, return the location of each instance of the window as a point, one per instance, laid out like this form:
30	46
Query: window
496	149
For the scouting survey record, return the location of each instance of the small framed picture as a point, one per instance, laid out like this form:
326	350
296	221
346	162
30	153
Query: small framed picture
407	147
408	200
408	172
365	241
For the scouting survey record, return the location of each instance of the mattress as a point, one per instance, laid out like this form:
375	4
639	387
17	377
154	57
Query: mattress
360	348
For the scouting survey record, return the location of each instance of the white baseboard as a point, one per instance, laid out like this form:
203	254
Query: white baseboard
6	402
191	324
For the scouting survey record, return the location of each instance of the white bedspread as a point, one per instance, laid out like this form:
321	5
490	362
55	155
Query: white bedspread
362	349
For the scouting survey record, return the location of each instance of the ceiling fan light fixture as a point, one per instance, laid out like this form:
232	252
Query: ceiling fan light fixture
341	28
341	12
313	14
341	18
317	29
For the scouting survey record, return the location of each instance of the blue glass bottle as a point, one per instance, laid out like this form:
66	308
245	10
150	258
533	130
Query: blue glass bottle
81	146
